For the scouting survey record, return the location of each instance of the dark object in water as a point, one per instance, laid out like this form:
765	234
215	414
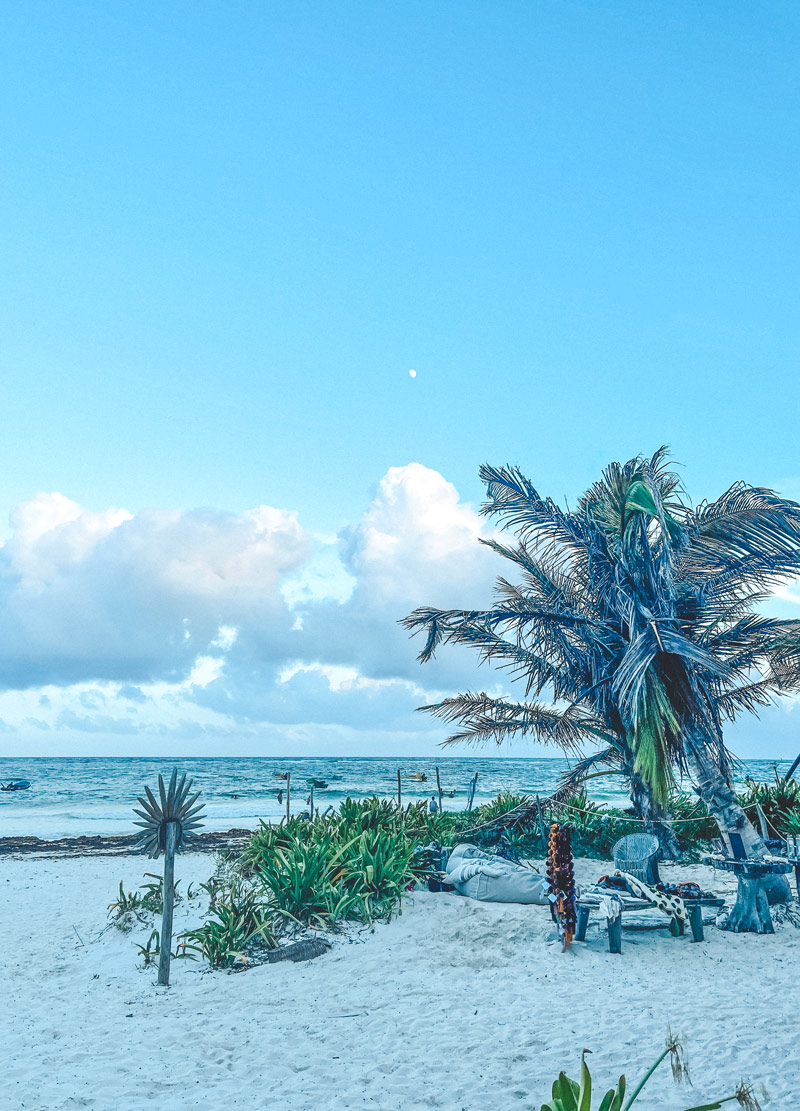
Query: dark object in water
15	785
319	783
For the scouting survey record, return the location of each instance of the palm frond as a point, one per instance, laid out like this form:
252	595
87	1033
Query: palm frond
485	718
574	779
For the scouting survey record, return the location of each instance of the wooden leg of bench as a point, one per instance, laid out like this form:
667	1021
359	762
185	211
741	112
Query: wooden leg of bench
615	934
696	922
583	922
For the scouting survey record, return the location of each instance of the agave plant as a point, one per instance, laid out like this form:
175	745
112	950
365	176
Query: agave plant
634	627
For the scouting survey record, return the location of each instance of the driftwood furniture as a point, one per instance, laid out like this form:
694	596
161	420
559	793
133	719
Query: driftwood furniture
588	903
750	912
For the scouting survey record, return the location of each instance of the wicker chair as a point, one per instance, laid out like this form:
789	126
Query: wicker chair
637	854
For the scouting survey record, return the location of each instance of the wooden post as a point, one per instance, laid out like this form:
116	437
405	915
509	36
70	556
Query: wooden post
312	802
472	791
439	789
399	790
615	934
583	922
696	921
288	793
541	820
169	898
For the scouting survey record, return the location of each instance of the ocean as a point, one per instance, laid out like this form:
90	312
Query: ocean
69	797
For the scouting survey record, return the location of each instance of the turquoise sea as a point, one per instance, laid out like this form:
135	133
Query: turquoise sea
73	796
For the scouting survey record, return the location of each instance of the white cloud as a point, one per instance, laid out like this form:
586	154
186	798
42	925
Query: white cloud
122	624
138	598
416	544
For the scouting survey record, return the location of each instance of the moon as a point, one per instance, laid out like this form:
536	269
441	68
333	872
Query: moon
412	374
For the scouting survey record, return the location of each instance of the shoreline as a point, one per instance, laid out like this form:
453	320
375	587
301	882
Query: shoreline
111	845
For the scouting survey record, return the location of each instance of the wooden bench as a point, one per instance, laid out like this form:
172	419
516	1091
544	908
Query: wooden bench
588	903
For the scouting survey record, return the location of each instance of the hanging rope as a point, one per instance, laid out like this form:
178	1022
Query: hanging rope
529	808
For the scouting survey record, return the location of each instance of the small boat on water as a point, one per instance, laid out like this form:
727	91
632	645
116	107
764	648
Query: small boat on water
419	776
281	775
319	783
15	785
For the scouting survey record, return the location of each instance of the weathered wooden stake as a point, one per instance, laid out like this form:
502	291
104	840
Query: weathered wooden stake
399	789
288	793
473	785
311	800
168	894
696	922
439	789
615	934
541	820
583	922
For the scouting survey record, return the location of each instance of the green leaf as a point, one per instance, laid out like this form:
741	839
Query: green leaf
585	1093
566	1092
712	1106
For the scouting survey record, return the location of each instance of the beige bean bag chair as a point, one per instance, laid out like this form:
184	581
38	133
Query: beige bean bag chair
492	879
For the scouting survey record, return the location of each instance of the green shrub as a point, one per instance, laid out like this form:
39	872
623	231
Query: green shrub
378	868
303	882
239	920
776	801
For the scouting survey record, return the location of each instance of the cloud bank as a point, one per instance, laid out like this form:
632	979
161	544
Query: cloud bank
171	624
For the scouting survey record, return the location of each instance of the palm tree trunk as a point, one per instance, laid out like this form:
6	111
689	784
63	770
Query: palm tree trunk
720	798
654	816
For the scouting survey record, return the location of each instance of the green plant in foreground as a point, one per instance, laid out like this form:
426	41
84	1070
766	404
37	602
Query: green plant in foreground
126	909
571	1095
239	920
213	887
153	898
151	949
125	903
304	882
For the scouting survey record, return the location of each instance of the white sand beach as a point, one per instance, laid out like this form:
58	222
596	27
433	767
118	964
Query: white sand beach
457	1005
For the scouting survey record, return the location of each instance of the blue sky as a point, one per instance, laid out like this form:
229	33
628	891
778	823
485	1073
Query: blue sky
228	232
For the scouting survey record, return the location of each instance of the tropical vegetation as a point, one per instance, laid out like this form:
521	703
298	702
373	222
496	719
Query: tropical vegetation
356	864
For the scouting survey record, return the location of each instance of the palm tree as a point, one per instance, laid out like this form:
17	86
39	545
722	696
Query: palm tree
634	627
